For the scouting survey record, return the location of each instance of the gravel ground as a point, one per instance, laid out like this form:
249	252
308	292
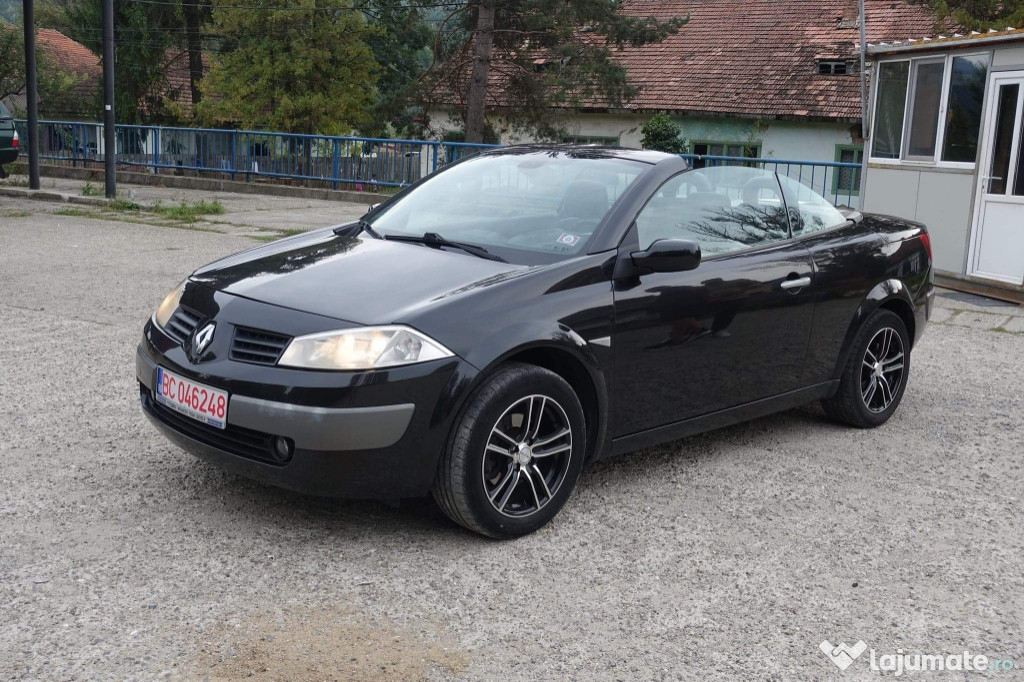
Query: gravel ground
727	556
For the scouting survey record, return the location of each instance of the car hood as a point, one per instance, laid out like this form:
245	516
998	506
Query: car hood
358	279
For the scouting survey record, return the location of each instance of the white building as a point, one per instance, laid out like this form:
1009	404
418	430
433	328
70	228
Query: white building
947	149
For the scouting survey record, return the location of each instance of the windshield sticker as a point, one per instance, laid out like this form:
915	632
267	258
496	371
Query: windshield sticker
569	239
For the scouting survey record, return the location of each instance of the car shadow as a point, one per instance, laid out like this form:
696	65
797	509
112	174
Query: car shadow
240	497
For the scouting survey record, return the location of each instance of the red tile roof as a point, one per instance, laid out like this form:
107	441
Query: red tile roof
75	58
179	83
72	58
757	58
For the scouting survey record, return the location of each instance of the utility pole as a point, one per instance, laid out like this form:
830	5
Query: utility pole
109	139
865	126
482	45
31	93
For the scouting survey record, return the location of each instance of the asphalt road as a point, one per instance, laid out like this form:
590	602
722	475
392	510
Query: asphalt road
726	556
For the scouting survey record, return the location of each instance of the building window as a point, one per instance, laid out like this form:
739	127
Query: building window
735	149
731	149
911	96
1005	113
835	68
602	140
963	113
925	96
889	109
846	181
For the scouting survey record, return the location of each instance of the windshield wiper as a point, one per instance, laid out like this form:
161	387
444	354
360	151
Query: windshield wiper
352	229
437	241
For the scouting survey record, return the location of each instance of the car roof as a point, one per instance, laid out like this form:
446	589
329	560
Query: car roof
586	151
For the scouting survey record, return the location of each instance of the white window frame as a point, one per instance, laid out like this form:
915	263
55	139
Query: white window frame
936	160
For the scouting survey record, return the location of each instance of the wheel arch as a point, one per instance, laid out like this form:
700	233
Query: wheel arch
586	382
890	294
568	356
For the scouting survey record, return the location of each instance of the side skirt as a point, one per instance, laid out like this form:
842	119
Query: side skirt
717	420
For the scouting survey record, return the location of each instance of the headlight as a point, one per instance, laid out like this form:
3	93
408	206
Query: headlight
362	348
168	306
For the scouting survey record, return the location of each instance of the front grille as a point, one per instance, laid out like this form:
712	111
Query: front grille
181	325
234	439
258	347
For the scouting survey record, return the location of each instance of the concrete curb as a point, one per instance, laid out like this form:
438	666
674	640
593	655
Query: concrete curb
207	184
50	195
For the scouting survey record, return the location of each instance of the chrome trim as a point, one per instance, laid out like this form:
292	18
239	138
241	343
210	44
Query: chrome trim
796	283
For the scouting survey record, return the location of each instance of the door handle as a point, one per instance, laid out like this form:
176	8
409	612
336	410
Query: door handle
795	283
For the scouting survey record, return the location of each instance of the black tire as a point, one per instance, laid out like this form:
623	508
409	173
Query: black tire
460	488
855	403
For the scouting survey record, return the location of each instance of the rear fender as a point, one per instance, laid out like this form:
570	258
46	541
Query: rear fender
883	292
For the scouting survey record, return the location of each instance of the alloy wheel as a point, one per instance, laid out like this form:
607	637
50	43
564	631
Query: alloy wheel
527	456
882	369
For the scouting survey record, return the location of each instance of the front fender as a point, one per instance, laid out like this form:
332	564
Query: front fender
563	350
883	293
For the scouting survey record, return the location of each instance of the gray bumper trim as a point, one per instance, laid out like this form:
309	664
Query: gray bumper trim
312	428
145	370
322	428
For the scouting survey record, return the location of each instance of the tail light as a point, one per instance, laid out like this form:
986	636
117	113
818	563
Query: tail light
926	242
14	142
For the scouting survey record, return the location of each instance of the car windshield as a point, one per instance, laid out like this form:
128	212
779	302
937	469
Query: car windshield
529	208
3	111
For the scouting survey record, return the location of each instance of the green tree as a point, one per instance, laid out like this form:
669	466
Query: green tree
10	10
400	39
977	15
298	66
661	133
54	85
144	32
550	57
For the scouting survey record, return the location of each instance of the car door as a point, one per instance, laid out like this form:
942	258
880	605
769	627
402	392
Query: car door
731	331
849	259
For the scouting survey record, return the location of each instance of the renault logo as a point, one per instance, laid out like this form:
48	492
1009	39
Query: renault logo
201	340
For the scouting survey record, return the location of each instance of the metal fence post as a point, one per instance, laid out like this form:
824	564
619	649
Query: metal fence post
335	162
156	150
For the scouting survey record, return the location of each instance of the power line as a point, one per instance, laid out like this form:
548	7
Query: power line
354	8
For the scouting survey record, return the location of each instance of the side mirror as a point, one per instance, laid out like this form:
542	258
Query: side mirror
667	255
854	216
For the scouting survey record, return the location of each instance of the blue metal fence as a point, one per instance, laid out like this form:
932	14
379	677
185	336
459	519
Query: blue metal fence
836	181
336	160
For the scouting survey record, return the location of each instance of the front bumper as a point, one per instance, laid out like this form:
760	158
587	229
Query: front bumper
308	428
353	434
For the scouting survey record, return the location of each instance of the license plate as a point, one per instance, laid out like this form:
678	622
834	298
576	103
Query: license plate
198	401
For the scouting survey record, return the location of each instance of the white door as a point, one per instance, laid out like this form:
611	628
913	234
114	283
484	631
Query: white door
998	237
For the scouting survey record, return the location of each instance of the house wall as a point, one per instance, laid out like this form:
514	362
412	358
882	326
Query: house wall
939	198
797	140
943	198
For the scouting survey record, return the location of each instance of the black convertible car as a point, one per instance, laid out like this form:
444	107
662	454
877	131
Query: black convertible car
487	332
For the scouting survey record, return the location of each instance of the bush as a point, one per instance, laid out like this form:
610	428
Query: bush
662	134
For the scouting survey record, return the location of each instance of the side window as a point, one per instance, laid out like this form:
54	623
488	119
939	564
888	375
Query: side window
723	208
808	210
